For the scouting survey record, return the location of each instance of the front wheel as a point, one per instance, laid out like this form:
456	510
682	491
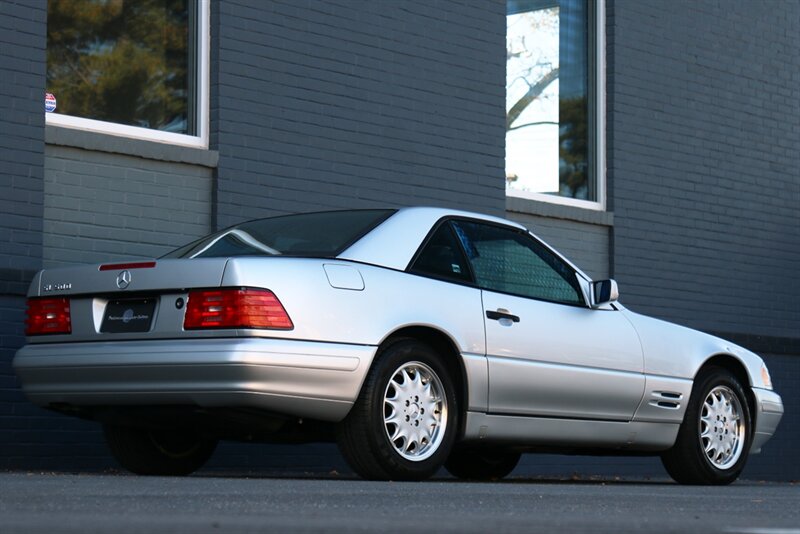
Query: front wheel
158	452
404	422
714	439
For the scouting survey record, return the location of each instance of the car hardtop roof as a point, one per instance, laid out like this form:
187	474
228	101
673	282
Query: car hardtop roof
437	213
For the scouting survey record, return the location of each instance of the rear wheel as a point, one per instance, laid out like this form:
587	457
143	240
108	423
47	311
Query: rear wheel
714	439
158	452
482	464
404	422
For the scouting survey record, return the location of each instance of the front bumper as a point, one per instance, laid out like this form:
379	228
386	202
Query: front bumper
769	410
298	378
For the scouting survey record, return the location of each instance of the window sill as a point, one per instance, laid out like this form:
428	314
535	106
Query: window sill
57	135
559	211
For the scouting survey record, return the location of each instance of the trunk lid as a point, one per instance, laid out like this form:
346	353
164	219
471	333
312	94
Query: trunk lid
132	300
164	275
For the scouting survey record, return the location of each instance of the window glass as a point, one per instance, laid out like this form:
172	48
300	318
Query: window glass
548	98
129	62
323	234
508	261
442	257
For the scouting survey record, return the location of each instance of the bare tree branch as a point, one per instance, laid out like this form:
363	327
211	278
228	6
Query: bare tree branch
533	92
531	124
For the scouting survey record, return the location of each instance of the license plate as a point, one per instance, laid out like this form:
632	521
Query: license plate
128	315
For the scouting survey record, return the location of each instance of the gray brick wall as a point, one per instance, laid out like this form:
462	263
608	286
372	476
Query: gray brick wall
337	104
22	53
704	174
107	207
703	161
22	75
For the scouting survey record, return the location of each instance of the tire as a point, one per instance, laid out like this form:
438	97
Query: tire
481	464
158	452
717	420
408	395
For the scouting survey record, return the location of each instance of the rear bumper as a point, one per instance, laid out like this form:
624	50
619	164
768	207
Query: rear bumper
769	410
298	378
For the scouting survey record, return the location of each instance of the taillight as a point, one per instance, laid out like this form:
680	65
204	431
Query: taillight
235	308
48	316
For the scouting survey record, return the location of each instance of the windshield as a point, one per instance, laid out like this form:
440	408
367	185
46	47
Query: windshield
323	234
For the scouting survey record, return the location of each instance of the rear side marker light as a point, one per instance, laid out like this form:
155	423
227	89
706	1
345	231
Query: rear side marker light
48	316
235	308
134	265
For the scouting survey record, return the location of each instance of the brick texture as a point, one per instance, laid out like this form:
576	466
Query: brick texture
703	114
703	117
22	56
340	104
107	207
22	53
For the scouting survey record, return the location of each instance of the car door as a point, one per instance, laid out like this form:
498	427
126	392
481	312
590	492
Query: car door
549	354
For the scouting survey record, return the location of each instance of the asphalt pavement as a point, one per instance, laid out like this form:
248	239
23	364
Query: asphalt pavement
53	502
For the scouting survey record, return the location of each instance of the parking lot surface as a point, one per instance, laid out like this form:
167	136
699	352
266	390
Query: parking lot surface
52	502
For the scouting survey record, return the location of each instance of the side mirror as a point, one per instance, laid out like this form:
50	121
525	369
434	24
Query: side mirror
604	292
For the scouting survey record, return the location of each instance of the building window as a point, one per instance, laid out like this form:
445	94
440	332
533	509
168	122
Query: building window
129	67
551	115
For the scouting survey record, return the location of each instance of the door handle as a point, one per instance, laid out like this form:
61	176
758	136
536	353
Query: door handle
501	314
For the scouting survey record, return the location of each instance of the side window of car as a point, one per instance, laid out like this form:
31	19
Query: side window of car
442	257
511	261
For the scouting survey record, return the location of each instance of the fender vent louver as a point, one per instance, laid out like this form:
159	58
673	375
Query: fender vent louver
666	399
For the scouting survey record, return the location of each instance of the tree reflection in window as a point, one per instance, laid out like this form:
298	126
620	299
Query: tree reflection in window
123	61
548	137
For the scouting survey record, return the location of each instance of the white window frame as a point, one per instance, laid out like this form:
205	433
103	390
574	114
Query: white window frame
123	130
600	122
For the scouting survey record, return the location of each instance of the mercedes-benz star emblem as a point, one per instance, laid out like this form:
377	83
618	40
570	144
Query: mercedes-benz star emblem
123	279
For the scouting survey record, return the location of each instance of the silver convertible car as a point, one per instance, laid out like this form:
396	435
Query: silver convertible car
414	338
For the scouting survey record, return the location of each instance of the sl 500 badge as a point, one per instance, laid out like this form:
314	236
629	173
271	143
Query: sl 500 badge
57	287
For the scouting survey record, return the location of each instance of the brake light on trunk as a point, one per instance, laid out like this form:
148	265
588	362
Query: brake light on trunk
48	316
235	308
132	265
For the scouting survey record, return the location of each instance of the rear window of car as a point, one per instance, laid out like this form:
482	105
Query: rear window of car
322	234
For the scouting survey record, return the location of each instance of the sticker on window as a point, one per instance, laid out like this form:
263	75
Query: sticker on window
49	102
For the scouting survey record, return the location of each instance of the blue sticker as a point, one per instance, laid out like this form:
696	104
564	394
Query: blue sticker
49	102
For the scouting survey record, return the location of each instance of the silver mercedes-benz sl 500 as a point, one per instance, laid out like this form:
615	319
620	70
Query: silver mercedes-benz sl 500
414	338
